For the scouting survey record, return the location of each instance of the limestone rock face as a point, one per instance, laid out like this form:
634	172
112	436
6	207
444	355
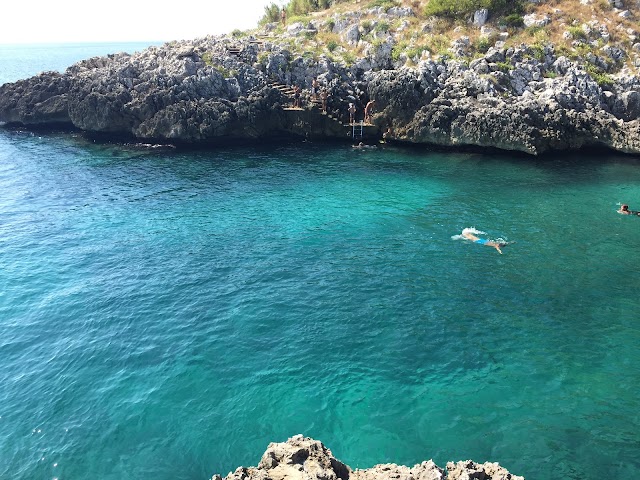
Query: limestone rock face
533	20
37	100
470	470
217	89
480	17
352	34
422	471
302	458
454	104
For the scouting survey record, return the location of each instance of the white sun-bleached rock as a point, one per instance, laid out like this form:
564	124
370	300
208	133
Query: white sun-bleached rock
480	17
534	20
301	458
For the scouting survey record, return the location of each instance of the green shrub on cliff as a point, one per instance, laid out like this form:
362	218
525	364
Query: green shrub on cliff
482	45
381	27
604	5
537	36
386	4
602	78
207	58
503	67
263	58
225	72
459	8
304	19
397	50
294	7
271	14
438	44
348	58
416	51
300	7
377	43
536	51
577	32
513	20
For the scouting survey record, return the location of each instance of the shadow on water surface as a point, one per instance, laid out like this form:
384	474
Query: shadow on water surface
584	156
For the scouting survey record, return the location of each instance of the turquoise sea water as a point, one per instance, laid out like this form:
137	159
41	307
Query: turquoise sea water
166	314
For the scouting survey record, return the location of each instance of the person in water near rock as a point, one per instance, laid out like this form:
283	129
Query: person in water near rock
468	233
624	210
388	134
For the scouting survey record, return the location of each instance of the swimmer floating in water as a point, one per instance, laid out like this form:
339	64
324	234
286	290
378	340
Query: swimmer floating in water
624	210
470	234
363	146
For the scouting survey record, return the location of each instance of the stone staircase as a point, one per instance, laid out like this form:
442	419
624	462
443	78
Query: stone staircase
287	91
316	102
259	40
234	50
282	88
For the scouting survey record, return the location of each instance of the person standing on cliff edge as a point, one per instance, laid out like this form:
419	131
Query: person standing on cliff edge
368	110
324	95
283	16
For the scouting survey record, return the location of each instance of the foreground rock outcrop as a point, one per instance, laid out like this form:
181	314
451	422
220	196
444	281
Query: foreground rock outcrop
301	458
218	89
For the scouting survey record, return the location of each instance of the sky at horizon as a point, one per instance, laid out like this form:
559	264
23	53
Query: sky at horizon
41	21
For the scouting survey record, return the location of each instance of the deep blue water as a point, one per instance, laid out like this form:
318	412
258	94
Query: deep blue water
166	314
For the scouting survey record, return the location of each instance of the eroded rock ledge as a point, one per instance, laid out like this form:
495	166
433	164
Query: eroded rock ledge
301	458
216	89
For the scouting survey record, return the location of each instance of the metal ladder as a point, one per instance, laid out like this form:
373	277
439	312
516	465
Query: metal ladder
357	130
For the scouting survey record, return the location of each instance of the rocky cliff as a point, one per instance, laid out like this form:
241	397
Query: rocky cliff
301	458
525	97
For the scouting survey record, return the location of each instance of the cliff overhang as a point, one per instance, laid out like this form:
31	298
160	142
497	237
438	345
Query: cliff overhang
219	89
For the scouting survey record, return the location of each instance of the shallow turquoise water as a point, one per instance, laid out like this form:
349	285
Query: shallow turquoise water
166	314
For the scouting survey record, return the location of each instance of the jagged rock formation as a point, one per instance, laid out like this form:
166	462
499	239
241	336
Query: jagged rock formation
167	93
219	88
520	109
301	458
